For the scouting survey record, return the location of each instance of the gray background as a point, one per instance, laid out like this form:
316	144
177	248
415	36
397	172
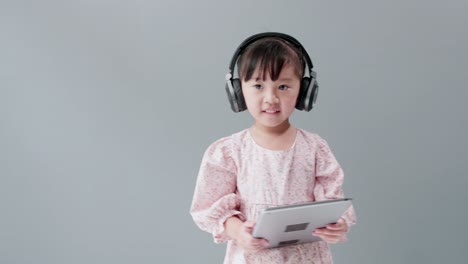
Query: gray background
106	108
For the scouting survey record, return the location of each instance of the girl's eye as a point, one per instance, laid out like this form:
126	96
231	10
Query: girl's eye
283	87
257	86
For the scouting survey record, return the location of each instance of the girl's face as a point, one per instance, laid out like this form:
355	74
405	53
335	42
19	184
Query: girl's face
272	102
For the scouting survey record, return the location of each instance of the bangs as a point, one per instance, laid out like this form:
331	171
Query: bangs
267	57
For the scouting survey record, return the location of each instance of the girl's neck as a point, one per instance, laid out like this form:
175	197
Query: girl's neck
282	129
281	137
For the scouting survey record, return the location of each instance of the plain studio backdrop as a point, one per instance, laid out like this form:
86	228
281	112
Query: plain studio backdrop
106	108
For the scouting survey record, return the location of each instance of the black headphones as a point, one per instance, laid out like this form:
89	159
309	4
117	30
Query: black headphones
309	86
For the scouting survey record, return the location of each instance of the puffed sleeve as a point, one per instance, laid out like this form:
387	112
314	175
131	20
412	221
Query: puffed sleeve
215	198
329	179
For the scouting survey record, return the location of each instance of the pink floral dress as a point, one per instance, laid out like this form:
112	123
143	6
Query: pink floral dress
239	177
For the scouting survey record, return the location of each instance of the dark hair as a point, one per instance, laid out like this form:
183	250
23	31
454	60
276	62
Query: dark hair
269	54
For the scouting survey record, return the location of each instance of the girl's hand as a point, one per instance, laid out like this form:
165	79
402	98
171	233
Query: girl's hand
245	239
332	233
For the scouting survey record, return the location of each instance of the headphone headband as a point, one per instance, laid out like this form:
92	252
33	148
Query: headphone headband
256	37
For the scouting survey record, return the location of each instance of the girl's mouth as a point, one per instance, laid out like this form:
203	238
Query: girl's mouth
271	111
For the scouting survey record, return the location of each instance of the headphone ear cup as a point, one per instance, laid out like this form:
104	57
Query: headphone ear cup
235	96
308	94
314	94
236	85
301	98
231	96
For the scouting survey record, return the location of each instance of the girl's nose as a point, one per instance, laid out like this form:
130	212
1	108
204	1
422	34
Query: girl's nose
271	97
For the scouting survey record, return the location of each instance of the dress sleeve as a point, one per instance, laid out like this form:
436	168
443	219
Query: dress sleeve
329	179
215	198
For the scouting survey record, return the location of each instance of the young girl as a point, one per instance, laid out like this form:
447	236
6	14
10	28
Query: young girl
271	163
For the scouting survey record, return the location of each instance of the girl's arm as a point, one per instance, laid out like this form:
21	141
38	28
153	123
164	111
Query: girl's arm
329	182
215	199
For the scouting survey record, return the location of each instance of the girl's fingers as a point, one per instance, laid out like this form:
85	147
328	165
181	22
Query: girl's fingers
264	243
328	232
331	239
338	235
335	227
257	245
338	226
249	225
260	243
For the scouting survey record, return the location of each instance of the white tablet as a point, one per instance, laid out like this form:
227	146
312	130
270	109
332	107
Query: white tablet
293	224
